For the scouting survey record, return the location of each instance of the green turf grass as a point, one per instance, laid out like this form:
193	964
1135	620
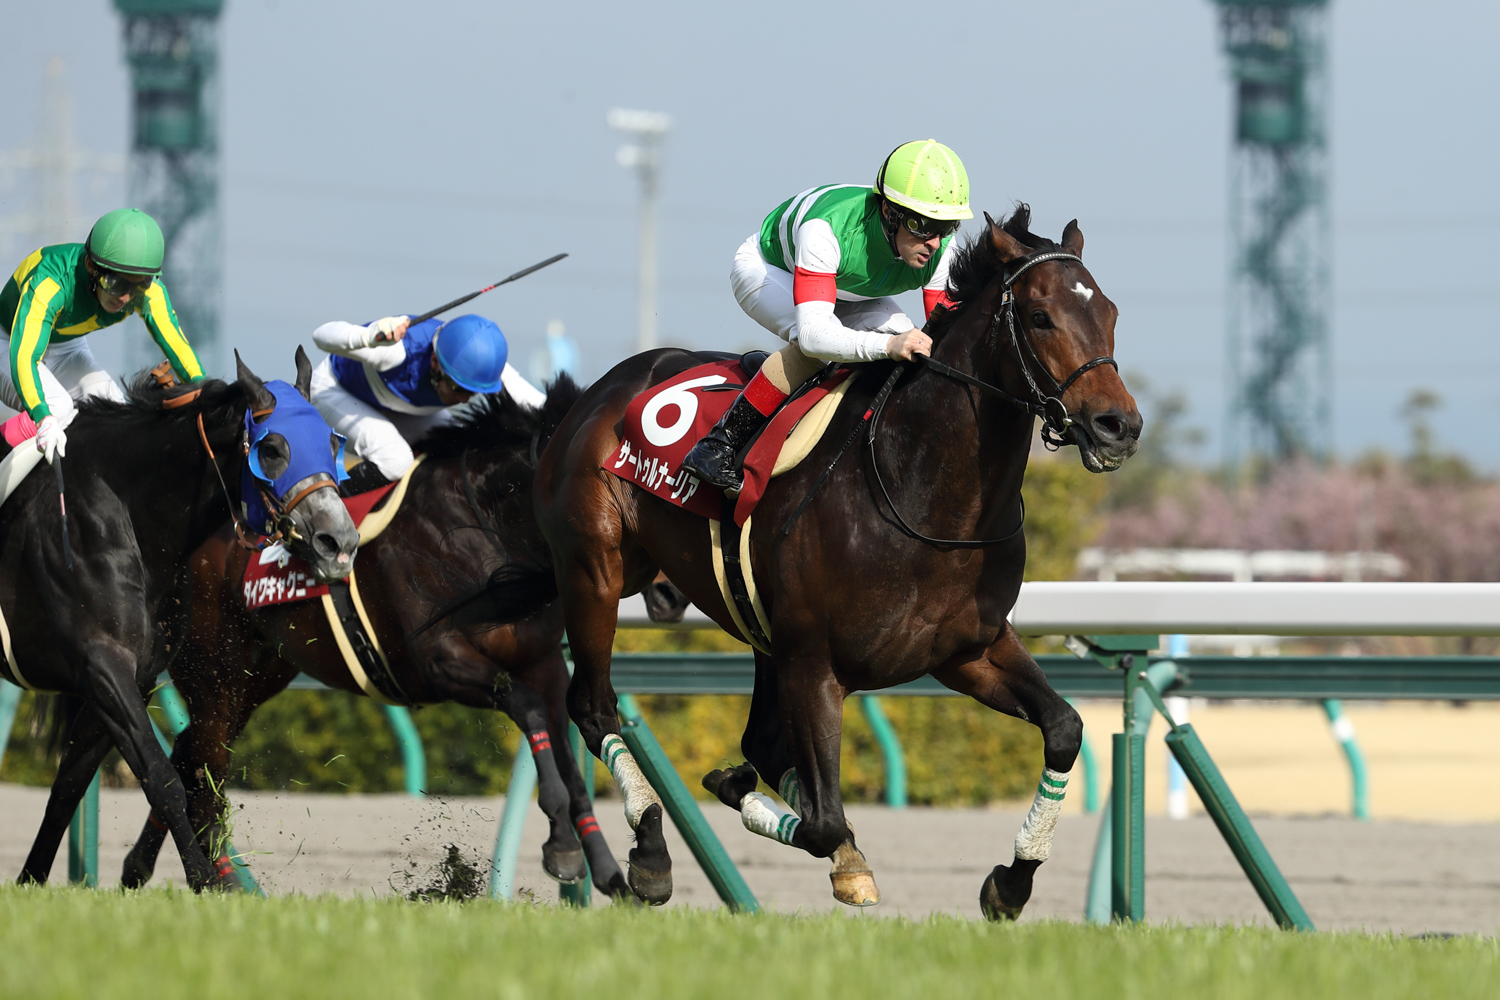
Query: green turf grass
110	945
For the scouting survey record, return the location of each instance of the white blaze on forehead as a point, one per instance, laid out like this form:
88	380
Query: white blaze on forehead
1084	291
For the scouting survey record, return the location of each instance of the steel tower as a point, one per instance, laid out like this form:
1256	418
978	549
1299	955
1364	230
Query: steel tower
1279	362
172	48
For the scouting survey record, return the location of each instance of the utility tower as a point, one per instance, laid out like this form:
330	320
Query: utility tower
172	48
1279	361
649	129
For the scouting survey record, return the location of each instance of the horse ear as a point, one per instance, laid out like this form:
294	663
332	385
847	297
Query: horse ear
1009	247
255	390
1072	240
304	374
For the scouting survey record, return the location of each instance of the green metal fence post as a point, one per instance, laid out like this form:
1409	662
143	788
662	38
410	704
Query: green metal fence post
712	857
83	838
580	893
1090	772
412	757
1096	908
1343	731
512	823
890	750
10	700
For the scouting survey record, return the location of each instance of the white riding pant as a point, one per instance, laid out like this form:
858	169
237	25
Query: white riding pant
374	435
764	291
68	372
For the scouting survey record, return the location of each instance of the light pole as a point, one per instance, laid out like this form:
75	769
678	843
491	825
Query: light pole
647	129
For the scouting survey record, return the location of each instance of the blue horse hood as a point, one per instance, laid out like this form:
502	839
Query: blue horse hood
314	448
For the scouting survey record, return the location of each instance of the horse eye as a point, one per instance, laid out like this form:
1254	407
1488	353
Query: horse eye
1040	321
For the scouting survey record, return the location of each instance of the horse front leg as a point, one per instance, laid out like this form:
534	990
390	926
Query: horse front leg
590	584
1007	679
86	747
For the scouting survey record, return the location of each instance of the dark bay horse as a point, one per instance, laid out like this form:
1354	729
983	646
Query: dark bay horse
466	514
906	561
145	487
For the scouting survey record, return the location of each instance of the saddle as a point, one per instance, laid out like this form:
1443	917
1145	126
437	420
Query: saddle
663	422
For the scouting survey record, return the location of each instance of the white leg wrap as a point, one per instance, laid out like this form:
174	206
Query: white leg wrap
791	790
634	788
763	816
1034	842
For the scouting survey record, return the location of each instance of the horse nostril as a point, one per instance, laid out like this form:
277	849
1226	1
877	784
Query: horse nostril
325	544
1109	426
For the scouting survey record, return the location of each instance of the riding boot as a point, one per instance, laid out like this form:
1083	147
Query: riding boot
365	477
713	459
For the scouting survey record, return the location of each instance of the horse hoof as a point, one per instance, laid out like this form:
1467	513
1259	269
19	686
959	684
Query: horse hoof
134	875
566	867
732	784
650	864
1005	893
855	888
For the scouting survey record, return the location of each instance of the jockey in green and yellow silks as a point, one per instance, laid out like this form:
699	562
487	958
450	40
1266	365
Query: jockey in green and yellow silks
62	293
822	274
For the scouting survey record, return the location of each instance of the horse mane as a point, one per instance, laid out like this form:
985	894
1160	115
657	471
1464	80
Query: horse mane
142	413
976	263
495	421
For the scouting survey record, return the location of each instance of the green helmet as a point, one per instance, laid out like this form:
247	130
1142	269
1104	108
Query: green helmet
928	178
127	240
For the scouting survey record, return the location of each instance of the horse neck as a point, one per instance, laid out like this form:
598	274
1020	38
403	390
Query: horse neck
951	434
185	502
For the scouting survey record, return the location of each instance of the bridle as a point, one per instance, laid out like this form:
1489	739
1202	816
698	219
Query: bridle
1056	424
280	510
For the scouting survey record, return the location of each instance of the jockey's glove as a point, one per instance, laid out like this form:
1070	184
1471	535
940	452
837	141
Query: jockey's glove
385	331
51	439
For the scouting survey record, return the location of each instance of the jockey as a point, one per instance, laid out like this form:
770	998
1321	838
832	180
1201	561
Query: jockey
385	385
63	292
821	274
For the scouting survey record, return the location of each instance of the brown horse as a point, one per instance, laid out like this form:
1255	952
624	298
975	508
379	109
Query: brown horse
905	562
466	513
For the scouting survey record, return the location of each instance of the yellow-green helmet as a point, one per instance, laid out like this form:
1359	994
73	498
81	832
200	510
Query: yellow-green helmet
928	178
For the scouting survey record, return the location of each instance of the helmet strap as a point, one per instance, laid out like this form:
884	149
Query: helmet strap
890	220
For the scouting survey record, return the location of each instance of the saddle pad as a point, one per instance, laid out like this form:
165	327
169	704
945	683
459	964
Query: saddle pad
665	421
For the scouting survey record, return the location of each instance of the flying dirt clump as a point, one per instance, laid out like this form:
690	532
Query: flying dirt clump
456	877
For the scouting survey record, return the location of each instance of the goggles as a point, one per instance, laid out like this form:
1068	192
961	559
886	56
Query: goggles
117	284
924	228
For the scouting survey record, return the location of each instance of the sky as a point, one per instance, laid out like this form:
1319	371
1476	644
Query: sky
381	158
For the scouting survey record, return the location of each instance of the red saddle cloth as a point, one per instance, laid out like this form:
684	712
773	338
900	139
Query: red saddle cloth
275	576
665	421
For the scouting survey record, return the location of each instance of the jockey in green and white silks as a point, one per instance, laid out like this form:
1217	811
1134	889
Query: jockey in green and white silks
383	386
821	274
62	293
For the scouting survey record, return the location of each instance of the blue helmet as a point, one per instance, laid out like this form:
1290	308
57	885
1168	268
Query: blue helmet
472	352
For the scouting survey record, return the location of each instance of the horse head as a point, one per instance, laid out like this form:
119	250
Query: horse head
1063	328
293	465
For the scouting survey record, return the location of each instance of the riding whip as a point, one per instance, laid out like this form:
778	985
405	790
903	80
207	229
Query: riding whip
474	295
62	508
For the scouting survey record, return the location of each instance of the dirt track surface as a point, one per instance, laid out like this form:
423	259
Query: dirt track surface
1404	877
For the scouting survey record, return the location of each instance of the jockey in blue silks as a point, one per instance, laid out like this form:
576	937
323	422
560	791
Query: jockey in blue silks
387	384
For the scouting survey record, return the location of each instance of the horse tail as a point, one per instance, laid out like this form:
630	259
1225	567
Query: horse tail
513	593
54	714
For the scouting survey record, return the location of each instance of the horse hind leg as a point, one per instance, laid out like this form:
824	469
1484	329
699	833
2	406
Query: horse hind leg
87	745
562	855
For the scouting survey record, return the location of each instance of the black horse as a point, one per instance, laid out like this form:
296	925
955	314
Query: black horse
466	516
146	486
